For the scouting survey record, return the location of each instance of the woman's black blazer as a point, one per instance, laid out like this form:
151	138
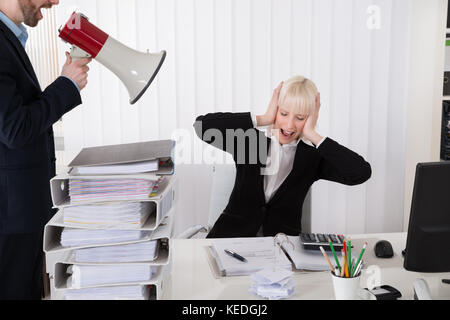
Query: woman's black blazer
247	209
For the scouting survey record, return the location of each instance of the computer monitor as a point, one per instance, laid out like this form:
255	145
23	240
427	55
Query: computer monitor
428	240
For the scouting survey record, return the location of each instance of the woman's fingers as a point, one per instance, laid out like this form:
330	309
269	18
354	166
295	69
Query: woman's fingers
318	103
271	113
275	96
278	89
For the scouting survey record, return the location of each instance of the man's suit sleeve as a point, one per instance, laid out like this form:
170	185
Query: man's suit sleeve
20	122
340	164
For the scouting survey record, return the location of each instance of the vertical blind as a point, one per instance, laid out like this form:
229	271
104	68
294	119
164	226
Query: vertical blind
228	55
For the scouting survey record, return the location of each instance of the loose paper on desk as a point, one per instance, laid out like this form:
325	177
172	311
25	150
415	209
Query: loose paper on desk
273	283
306	259
259	252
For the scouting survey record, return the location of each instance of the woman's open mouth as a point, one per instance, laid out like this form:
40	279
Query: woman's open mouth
287	134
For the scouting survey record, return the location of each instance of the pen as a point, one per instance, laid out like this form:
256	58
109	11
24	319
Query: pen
235	255
358	268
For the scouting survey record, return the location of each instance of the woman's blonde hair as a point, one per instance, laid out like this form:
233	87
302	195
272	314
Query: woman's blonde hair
299	94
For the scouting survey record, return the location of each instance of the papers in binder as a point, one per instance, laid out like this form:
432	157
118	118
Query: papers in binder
71	237
134	252
109	293
312	260
97	275
120	215
101	190
123	168
138	155
259	253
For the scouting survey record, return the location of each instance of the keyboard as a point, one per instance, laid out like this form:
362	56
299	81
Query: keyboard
313	241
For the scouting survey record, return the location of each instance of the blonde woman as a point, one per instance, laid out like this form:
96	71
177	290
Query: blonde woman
275	171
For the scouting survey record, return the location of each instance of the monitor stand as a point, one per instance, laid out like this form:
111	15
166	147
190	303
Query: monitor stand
446	281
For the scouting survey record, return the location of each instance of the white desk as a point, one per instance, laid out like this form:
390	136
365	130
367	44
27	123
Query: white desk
192	277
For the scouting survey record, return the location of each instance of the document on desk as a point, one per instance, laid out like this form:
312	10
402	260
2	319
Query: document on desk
259	252
311	260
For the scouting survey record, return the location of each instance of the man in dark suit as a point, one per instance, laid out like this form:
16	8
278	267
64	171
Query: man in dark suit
27	156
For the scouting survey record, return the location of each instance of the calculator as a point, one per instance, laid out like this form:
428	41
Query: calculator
313	241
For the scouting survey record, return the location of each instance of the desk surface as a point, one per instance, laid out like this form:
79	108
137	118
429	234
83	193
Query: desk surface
192	277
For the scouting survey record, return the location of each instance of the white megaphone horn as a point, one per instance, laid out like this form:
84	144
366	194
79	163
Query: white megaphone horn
135	69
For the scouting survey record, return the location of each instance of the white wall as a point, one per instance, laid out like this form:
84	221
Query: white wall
228	55
426	70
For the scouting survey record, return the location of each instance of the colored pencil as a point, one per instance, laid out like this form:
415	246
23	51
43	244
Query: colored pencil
326	257
360	256
343	264
346	260
334	254
349	243
350	269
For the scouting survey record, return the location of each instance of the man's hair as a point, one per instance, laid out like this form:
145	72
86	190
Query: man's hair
298	94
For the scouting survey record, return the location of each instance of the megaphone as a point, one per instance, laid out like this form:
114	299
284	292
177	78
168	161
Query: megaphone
135	69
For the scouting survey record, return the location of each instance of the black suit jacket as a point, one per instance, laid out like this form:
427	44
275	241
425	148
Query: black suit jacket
247	209
27	155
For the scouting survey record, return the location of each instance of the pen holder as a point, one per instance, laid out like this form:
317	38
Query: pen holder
346	288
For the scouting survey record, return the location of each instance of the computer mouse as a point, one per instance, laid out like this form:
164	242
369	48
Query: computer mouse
383	249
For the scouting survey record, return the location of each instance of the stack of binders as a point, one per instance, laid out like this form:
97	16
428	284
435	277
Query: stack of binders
111	236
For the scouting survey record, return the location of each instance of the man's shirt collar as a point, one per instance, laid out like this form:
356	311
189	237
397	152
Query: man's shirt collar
19	30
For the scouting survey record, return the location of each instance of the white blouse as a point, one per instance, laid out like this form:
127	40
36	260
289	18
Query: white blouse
285	154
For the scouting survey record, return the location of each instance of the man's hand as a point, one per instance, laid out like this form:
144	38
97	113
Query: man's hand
76	70
269	117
